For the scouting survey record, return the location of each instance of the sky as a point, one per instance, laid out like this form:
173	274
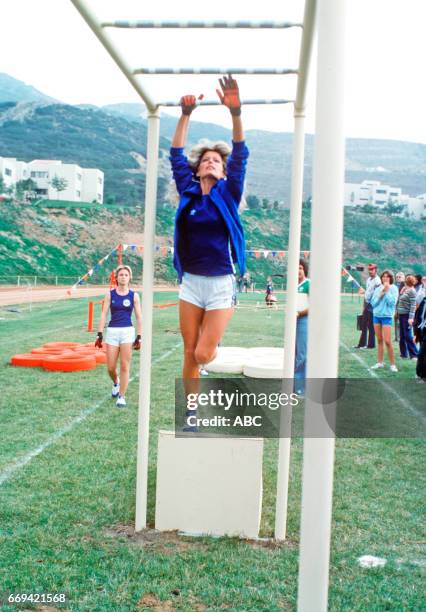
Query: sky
47	44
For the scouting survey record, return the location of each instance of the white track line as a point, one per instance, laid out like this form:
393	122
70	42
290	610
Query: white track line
10	470
373	374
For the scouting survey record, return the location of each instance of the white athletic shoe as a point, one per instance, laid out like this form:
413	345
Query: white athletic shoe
203	372
121	401
115	388
393	368
377	366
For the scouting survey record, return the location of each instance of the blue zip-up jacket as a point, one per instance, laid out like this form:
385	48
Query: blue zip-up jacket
384	306
226	195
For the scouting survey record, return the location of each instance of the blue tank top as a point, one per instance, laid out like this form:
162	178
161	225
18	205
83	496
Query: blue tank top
121	307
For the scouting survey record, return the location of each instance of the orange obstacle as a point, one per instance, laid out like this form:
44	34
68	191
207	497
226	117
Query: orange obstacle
62	356
91	313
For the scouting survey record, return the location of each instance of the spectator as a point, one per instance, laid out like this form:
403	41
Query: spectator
384	301
418	285
420	336
301	329
247	282
406	309
269	297
400	280
400	283
367	339
421	293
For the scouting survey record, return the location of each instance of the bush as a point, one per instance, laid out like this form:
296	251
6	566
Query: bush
374	246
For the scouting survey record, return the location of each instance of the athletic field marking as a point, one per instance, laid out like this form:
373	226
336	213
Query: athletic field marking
9	471
373	374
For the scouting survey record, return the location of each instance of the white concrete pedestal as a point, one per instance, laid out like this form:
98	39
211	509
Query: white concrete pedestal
209	486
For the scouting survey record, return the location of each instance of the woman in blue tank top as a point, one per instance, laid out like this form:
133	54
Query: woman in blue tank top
209	236
120	336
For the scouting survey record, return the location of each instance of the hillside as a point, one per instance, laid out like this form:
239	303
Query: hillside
400	164
50	242
84	136
13	90
113	138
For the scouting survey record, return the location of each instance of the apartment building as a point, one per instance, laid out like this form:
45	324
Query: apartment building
378	195
79	184
371	192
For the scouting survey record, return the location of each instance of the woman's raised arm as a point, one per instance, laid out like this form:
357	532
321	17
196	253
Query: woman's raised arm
187	103
230	97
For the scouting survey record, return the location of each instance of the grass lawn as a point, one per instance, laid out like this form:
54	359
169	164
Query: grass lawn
67	487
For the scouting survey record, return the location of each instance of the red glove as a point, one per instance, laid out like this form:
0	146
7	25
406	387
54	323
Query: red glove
98	341
230	95
188	103
137	343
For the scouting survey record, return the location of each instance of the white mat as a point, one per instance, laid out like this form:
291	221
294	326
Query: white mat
258	362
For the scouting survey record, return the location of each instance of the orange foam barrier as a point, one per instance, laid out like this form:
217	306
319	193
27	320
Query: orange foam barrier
62	356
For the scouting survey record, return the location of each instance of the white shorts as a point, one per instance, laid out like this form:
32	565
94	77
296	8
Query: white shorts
208	292
120	335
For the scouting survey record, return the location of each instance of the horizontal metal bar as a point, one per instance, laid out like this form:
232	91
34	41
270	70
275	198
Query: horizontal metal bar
115	53
269	71
273	25
243	102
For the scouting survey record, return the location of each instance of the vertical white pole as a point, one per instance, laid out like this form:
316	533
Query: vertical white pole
324	302
290	318
147	316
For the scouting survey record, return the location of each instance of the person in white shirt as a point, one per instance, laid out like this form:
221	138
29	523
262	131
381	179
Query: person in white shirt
368	338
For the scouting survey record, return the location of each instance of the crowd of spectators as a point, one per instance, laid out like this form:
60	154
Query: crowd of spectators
395	300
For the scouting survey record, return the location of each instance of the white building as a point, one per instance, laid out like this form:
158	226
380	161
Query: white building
414	207
371	192
80	184
12	170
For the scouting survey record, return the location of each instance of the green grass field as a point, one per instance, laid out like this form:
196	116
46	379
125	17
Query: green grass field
67	487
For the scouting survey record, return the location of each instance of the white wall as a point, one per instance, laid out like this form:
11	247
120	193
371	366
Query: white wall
93	185
371	192
8	170
416	207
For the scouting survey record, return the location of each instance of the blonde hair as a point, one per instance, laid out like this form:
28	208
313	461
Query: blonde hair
197	152
123	267
194	158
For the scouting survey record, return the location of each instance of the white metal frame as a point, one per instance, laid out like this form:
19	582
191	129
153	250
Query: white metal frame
326	243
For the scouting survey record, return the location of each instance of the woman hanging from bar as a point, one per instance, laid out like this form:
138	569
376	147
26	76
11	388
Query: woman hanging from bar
209	236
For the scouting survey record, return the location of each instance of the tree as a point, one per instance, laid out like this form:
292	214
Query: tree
276	205
25	190
2	185
253	202
393	209
59	183
265	203
307	204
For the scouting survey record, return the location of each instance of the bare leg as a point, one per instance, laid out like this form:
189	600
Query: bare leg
379	336
190	319
112	358
387	338
212	330
125	358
